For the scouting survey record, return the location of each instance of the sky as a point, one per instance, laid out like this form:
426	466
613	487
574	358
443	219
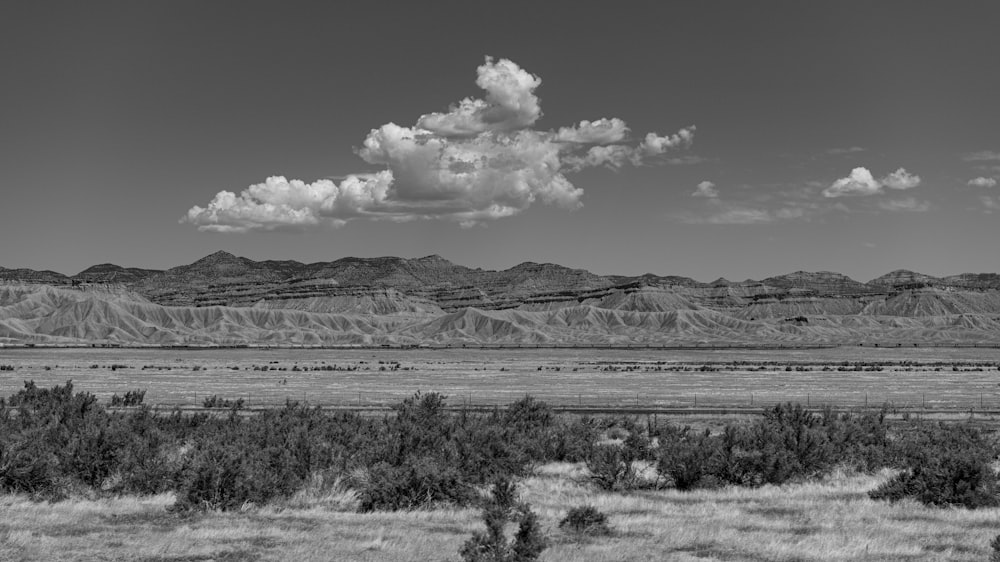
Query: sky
704	139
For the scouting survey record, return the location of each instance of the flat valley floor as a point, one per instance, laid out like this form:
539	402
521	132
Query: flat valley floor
914	379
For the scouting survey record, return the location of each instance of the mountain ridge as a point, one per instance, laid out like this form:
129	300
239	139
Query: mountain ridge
290	268
223	299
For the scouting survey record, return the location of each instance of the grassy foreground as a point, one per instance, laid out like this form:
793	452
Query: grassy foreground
830	519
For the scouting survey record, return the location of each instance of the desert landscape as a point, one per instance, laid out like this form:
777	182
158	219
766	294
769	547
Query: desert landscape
510	282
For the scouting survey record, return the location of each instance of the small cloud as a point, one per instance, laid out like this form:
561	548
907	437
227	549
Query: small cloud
602	131
686	160
737	214
848	150
906	204
788	213
990	204
861	183
901	179
654	144
706	189
983	182
981	156
868	244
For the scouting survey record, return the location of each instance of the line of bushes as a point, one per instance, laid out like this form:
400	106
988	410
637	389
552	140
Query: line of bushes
938	464
55	441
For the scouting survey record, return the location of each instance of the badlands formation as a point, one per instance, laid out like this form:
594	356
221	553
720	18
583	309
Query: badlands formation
227	300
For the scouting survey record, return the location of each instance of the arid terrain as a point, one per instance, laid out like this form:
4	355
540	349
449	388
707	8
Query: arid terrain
362	335
913	379
231	301
829	520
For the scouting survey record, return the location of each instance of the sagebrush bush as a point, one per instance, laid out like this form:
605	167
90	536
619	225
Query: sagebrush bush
214	401
944	466
27	465
419	482
585	519
788	442
611	468
131	398
689	458
528	541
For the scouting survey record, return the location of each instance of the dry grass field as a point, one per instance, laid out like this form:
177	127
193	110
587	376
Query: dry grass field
936	378
829	520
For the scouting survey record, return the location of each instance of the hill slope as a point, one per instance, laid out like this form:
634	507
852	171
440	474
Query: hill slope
42	314
226	299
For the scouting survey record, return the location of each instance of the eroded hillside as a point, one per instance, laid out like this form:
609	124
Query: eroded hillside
229	300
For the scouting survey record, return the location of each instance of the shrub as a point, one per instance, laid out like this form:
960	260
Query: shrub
995	548
787	443
691	460
585	519
492	546
131	398
572	441
944	465
214	401
416	483
235	471
611	468
27	465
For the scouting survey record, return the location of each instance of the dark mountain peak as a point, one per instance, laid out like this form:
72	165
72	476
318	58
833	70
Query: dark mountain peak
31	276
219	257
974	280
101	268
433	258
220	267
720	282
535	266
808	276
903	277
111	273
818	282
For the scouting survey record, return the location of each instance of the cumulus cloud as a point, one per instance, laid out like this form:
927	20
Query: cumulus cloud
278	203
481	160
510	103
901	179
706	189
860	182
653	144
602	131
983	182
906	204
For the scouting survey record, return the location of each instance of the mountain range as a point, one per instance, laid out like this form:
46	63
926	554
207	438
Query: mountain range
224	299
